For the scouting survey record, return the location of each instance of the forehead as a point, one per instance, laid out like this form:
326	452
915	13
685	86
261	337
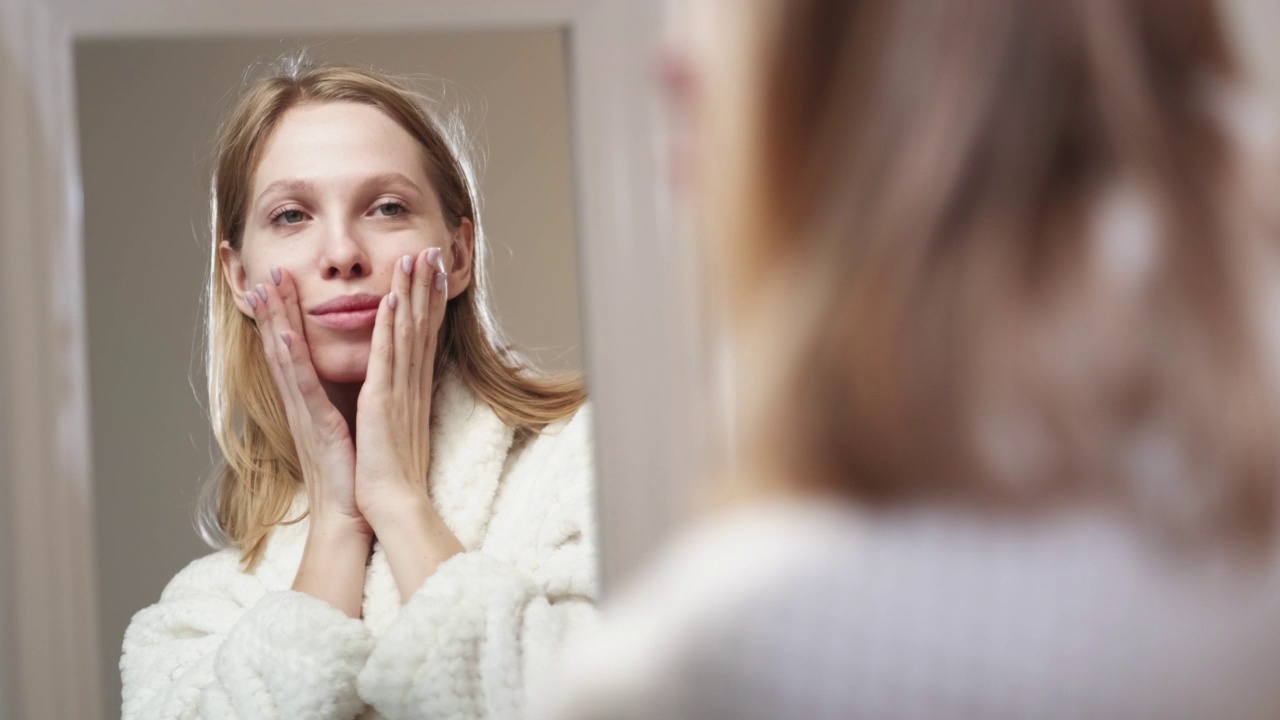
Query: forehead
332	141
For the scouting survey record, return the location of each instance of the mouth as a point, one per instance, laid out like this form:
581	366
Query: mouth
349	312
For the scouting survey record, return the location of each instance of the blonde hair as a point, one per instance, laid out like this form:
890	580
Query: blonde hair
253	488
924	305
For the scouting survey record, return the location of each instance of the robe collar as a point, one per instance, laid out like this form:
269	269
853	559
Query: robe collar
469	446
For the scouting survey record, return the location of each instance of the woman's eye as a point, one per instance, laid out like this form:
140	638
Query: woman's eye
390	209
289	217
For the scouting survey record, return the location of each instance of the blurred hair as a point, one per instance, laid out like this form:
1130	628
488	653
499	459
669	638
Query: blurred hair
1001	252
260	473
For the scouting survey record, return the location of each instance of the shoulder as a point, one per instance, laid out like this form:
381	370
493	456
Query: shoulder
699	591
217	585
209	591
543	515
217	571
569	440
726	558
219	578
222	572
557	464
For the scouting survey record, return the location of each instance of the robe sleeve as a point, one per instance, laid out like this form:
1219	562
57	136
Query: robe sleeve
219	645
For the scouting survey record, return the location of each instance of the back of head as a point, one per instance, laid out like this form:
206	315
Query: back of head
1000	252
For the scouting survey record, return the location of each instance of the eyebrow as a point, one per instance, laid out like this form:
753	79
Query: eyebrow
293	185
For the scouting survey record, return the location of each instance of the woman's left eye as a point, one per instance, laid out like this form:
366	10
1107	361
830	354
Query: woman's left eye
391	209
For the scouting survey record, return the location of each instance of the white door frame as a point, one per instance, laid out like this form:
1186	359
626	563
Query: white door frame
640	335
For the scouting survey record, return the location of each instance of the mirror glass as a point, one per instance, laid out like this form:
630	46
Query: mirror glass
148	110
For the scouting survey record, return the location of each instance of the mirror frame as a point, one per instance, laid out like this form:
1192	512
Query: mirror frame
643	345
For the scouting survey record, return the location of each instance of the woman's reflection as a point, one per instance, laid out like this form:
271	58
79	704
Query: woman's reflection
405	504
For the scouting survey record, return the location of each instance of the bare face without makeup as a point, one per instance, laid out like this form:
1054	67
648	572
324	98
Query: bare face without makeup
340	195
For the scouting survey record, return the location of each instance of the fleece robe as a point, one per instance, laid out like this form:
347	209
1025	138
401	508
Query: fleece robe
471	642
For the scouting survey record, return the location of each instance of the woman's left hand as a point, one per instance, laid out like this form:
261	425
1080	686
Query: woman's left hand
393	424
393	413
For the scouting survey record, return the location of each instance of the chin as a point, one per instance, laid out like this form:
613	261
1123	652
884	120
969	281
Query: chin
341	367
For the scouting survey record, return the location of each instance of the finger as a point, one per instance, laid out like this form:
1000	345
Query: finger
442	280
288	292
422	278
296	351
381	349
277	333
265	333
276	341
435	317
403	335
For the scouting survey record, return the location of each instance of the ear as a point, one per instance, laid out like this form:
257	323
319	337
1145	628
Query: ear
234	273
461	254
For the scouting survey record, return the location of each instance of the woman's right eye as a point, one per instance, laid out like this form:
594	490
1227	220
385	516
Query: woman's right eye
288	216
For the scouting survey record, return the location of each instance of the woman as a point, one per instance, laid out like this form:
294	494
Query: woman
407	507
1002	277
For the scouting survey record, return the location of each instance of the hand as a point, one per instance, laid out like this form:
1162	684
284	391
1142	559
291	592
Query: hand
393	413
319	430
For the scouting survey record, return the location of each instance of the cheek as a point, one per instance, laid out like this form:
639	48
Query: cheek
258	263
385	259
266	246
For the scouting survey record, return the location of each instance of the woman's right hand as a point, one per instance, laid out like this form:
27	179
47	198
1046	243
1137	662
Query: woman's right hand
325	449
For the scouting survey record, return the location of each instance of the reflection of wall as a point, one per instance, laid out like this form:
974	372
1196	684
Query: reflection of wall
147	112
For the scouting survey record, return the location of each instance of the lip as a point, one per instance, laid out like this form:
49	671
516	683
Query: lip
349	312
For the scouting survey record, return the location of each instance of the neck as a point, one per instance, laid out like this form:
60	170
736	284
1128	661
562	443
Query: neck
344	397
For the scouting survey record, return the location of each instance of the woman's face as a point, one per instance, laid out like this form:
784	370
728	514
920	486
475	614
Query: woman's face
340	195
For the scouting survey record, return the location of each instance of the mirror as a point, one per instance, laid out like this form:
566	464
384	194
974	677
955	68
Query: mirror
147	112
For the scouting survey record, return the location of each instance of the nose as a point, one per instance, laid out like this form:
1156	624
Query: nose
343	255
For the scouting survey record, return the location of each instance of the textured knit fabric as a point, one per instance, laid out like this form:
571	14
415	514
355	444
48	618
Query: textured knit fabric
480	632
822	613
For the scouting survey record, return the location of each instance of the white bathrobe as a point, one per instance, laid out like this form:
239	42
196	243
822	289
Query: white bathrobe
820	610
480	632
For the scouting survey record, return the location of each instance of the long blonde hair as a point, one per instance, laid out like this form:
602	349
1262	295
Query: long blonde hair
253	488
925	305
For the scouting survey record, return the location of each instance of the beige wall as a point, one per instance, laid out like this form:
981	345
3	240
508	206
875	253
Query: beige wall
147	110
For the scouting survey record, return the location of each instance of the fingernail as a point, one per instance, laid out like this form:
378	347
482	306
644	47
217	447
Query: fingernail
440	281
275	275
432	255
284	338
406	262
253	299
262	292
391	301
